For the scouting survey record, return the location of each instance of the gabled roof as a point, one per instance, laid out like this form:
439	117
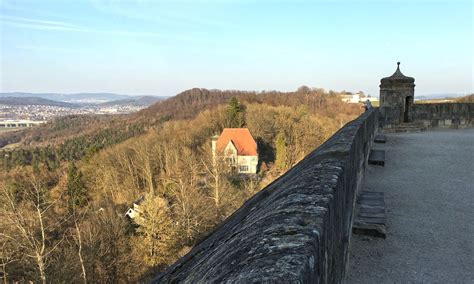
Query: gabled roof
242	140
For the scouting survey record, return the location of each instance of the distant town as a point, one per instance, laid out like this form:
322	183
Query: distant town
46	112
20	110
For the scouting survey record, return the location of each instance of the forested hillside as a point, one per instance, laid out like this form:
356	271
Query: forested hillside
65	190
465	99
34	101
73	137
189	103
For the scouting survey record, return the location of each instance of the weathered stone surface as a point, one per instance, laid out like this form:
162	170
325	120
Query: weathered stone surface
444	115
370	214
410	127
397	108
380	138
297	228
368	220
377	157
370	194
397	94
370	229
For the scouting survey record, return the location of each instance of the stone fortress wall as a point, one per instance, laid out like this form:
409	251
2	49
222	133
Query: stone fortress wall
398	110
444	115
298	228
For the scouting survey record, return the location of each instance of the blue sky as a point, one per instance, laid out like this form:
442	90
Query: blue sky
163	47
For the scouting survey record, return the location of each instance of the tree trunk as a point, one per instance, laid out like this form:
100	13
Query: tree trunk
40	262
216	189
80	252
40	252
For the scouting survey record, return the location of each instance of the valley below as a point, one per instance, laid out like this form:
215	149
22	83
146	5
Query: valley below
85	171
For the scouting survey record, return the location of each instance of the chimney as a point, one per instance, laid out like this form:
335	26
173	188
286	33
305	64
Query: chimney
214	144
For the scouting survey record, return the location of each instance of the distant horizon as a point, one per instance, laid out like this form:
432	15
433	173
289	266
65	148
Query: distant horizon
167	96
165	47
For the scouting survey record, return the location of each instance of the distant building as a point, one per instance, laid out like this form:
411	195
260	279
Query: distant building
358	97
134	211
19	123
238	148
350	98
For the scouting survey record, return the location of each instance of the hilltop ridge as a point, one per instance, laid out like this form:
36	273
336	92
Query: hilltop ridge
35	101
102	163
77	97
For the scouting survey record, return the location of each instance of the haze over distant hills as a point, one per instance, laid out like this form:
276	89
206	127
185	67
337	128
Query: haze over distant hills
135	101
440	96
45	106
18	101
84	98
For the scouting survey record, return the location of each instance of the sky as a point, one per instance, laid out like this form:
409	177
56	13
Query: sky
164	47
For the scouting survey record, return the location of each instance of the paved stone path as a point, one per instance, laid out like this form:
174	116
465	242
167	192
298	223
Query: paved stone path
428	180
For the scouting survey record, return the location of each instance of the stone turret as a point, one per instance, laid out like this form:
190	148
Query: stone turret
397	93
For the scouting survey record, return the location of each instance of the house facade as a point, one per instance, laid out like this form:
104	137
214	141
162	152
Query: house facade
358	97
238	148
135	211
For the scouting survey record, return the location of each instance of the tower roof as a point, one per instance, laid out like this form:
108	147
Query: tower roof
397	77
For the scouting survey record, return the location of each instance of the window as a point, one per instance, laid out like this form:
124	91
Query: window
244	168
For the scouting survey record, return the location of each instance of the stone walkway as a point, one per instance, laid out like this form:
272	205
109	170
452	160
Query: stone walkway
428	180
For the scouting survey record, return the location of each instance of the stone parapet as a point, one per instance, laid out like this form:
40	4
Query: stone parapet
298	228
444	115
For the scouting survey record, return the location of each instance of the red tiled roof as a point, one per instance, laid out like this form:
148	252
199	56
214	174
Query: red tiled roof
242	139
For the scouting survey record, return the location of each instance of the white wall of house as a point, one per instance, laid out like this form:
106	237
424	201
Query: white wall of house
355	99
247	164
230	153
133	212
243	164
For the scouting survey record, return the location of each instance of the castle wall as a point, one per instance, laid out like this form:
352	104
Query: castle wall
444	115
393	105
297	229
397	94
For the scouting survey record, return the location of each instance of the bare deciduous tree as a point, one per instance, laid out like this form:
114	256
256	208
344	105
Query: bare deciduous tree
30	223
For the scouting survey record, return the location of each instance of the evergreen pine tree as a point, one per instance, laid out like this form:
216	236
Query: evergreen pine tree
280	146
75	187
235	116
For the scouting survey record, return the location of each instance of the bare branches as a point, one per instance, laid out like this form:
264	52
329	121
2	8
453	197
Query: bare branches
29	223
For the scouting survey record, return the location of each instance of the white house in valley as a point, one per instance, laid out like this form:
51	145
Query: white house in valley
134	211
239	149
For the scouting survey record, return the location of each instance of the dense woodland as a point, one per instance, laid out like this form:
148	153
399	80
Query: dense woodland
65	187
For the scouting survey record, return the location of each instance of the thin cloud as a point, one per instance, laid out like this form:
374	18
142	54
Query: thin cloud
35	21
62	26
168	17
51	49
47	25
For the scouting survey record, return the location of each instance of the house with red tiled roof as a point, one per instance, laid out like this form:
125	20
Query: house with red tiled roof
238	147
